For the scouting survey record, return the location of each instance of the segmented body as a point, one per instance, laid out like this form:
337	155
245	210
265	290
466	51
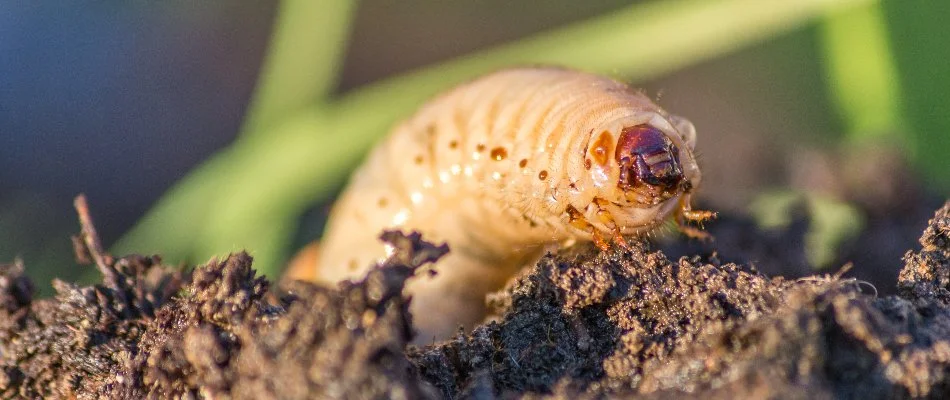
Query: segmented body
500	168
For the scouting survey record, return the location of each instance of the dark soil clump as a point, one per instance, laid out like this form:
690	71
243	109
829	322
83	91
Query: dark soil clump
578	324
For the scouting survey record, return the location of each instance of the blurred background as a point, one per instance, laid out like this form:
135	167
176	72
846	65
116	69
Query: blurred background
200	128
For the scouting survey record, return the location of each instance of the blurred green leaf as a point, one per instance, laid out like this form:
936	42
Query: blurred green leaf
861	74
918	33
772	209
831	223
245	196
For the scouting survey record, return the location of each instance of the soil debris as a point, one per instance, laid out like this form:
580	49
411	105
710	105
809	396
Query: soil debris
230	337
580	324
688	328
929	269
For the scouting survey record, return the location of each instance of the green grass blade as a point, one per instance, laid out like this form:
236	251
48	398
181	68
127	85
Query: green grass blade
303	59
635	44
861	74
919	32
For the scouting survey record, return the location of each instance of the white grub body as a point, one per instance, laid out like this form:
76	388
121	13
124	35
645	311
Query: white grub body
499	168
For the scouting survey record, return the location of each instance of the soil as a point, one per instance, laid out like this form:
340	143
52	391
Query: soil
580	324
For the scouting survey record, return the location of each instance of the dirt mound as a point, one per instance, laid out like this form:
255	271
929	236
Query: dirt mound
579	324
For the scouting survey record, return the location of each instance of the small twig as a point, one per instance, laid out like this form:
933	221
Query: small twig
844	269
103	259
80	250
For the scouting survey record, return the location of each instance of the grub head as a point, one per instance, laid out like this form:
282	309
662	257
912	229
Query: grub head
649	161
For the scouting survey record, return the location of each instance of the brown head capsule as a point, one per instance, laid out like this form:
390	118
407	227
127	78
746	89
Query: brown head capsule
648	159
